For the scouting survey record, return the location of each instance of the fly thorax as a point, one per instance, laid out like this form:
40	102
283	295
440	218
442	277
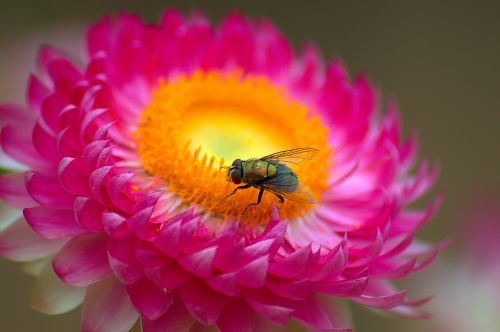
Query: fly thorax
255	170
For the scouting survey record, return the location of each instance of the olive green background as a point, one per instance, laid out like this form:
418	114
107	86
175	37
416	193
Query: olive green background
440	61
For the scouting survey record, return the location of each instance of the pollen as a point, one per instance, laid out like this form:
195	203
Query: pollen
196	124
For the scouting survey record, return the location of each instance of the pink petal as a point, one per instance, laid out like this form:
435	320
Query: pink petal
91	153
297	290
225	283
259	249
47	191
83	260
168	240
63	73
115	225
169	276
90	123
107	308
18	145
18	242
253	275
140	223
309	71
312	313
122	259
99	36
36	92
97	181
349	287
88	213
382	302
53	224
274	312
366	254
177	318
13	190
202	302
236	316
117	194
235	45
186	235
68	142
275	52
45	142
72	176
151	301
164	272
292	265
336	261
16	115
199	263
52	106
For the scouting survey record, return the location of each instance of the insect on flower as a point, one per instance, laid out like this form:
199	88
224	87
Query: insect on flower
274	174
114	199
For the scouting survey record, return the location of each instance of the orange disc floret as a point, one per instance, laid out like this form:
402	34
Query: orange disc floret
196	124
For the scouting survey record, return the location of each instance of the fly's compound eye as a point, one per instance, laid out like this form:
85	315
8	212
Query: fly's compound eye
236	163
235	176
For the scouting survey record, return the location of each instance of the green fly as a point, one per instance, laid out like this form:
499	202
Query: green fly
272	173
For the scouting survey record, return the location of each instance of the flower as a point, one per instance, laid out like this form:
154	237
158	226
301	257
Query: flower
122	192
468	281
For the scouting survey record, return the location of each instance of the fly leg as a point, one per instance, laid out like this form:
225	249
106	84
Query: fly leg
280	197
258	201
246	186
281	200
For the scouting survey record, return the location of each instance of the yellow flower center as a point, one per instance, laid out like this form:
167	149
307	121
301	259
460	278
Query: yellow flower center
196	124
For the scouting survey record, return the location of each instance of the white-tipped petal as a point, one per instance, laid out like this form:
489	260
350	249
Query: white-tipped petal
51	296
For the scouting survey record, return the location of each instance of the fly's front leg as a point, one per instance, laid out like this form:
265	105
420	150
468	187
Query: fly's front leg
258	200
246	186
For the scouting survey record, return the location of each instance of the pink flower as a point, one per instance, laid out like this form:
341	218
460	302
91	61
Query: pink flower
466	284
121	190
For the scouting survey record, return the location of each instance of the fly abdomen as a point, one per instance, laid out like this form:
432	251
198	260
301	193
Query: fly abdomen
255	170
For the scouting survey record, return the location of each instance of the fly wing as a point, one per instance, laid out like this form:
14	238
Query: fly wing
293	156
287	186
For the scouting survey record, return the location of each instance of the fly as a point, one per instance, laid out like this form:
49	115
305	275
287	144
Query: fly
272	173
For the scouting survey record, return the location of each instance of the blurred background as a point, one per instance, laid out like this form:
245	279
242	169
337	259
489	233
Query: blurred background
440	61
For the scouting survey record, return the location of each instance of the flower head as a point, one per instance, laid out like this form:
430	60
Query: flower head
124	195
467	282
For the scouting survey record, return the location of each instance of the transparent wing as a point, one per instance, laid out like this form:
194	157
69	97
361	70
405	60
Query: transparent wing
287	186
293	156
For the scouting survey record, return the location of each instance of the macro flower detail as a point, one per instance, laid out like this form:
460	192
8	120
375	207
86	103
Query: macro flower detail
118	200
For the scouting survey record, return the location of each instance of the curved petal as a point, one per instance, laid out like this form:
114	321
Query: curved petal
199	263
53	224
106	307
384	301
18	242
177	318
150	300
47	191
83	260
236	316
51	296
18	145
13	190
202	302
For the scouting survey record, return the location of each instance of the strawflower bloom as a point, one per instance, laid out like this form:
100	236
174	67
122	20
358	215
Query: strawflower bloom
469	282
118	199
